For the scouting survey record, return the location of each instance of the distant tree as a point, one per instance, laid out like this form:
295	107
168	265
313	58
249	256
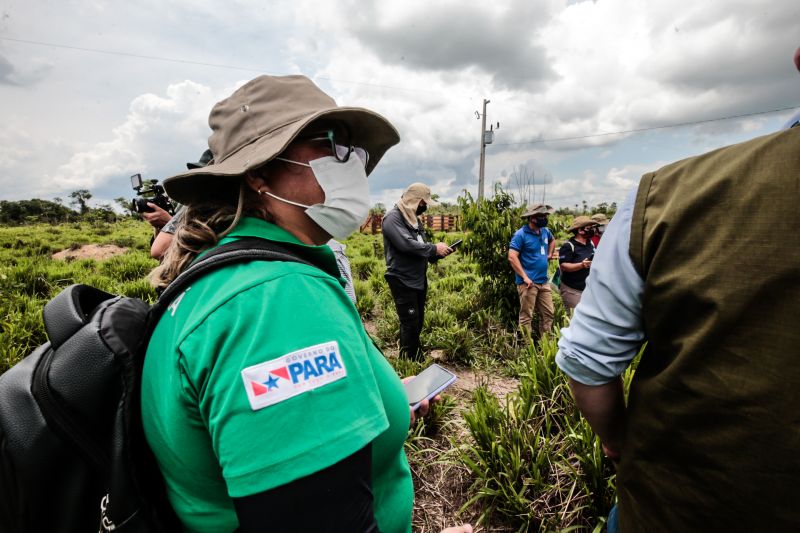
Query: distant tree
444	208
79	199
101	213
378	209
605	208
58	200
35	210
124	204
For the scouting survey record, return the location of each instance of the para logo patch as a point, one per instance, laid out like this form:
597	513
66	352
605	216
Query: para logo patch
292	374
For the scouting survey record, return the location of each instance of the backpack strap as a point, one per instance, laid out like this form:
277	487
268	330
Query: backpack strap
239	251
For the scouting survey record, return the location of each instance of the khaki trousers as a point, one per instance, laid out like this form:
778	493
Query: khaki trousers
539	297
570	297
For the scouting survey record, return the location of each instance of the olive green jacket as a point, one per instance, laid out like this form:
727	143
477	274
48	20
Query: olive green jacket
713	435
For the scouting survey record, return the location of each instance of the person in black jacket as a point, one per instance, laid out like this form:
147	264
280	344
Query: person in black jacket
575	259
407	256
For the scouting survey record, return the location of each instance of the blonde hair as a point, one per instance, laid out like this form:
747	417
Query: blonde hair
201	227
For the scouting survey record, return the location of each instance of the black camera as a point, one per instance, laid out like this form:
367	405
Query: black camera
149	191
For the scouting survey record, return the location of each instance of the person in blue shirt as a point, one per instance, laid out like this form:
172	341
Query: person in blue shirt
530	250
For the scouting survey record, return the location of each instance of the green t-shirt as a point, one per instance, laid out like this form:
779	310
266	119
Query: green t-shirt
261	373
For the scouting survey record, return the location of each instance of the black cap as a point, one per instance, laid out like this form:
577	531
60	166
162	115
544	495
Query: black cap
205	159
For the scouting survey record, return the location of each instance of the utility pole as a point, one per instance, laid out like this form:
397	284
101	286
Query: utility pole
483	151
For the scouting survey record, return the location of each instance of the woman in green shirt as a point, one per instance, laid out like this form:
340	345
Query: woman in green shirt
266	404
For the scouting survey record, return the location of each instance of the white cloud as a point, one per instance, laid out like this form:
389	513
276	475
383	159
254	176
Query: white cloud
551	69
154	124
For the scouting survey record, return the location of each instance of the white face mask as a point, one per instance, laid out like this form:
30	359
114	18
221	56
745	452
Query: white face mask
346	195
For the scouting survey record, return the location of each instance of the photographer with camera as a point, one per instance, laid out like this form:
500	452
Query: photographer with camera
152	204
151	201
166	230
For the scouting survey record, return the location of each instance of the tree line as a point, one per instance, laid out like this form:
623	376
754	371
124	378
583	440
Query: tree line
18	212
13	213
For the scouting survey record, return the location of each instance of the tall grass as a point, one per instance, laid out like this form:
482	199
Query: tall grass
29	277
535	461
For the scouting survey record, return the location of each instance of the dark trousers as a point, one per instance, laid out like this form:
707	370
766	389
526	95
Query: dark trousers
410	306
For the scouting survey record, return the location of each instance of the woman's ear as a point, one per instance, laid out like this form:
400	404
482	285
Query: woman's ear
255	181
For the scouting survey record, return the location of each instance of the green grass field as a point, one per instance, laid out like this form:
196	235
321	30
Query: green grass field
517	460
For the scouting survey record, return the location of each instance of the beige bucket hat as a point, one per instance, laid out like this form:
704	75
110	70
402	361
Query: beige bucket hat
581	222
417	192
600	218
260	119
538	209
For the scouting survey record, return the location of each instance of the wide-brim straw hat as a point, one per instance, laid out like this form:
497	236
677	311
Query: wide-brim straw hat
538	209
581	222
259	121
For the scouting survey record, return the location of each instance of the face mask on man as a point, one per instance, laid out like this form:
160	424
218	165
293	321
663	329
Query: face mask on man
540	222
421	208
346	191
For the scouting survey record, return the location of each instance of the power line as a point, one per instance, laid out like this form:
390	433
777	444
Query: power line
202	64
128	54
639	130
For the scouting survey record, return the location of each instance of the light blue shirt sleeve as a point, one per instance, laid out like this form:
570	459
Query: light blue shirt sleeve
606	331
792	122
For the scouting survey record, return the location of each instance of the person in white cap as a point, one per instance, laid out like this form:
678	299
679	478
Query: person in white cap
407	253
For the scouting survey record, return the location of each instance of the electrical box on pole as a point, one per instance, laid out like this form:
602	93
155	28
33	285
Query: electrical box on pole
483	151
487	137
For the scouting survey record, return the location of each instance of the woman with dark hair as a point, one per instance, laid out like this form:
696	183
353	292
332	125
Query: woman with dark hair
266	404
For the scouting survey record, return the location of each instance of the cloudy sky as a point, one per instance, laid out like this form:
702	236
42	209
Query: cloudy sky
92	91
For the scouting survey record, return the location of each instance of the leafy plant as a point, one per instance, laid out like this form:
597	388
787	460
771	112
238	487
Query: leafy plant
491	224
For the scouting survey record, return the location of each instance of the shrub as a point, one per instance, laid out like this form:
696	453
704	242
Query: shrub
491	224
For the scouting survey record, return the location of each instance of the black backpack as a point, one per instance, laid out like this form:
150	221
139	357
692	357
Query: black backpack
73	457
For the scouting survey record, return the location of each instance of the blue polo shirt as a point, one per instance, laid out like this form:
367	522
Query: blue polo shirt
533	252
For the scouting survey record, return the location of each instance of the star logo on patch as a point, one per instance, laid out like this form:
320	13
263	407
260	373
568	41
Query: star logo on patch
271	383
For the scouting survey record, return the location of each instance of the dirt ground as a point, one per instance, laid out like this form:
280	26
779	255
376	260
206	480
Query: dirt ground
468	380
441	484
90	251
